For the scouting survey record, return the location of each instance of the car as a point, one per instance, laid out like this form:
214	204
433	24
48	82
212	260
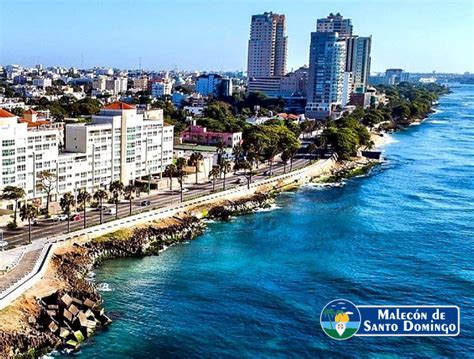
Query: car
101	208
145	203
238	181
76	217
267	173
61	217
110	210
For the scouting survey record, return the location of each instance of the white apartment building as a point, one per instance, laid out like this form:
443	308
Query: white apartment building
161	88
119	144
42	83
116	85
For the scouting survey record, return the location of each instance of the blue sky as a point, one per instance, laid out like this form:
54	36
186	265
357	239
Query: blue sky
417	35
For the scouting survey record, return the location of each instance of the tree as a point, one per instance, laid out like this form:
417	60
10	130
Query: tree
128	192
195	160
84	197
237	151
116	188
66	202
311	150
248	168
220	148
285	156
181	174
46	183
28	213
225	168
12	193
169	172
100	196
214	174
329	313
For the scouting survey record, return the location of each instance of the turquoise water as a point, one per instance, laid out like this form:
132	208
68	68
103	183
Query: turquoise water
255	286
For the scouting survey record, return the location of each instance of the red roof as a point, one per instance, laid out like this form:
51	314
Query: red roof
37	123
119	106
30	112
4	113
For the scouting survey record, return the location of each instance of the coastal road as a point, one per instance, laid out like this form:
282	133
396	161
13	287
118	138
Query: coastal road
49	228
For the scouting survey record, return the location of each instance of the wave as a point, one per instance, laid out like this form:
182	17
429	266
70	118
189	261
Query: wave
438	122
104	287
271	208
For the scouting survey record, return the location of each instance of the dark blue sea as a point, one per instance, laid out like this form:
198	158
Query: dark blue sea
254	287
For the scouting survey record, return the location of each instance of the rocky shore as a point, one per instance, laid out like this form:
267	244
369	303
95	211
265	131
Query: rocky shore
73	311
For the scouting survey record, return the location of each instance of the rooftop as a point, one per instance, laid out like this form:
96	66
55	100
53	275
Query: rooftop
5	114
119	106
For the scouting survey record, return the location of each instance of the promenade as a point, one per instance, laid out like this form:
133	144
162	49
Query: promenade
34	257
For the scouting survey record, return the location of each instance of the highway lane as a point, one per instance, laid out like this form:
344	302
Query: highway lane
48	228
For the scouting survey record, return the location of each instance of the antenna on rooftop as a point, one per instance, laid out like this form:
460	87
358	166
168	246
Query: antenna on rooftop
140	64
82	61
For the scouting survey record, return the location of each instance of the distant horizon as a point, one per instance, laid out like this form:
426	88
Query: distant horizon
45	66
417	36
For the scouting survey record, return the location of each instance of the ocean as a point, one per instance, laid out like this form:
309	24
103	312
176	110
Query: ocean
255	286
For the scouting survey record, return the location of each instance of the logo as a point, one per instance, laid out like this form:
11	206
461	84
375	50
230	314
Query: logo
340	319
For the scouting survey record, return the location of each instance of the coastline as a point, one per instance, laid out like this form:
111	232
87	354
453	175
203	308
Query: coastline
20	331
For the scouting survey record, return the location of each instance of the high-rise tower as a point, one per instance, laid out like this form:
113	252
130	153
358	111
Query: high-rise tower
267	52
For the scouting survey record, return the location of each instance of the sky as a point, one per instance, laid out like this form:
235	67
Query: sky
416	35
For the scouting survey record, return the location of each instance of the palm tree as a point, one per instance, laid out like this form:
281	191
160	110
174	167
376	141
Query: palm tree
195	161
237	153
181	174
214	174
28	212
169	172
66	202
83	197
128	192
100	196
116	187
12	193
311	150
329	313
220	148
248	167
226	167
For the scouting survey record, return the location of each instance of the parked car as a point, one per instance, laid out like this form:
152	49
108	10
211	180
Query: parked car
110	210
60	217
76	217
145	203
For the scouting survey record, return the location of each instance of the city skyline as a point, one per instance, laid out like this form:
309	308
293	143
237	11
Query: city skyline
99	37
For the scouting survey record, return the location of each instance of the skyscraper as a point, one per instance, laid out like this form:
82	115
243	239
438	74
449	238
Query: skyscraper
267	49
326	74
358	61
327	63
335	23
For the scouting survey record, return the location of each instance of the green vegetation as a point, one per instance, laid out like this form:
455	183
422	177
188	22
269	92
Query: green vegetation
68	107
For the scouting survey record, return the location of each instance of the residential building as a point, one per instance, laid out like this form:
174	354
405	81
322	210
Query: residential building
116	85
119	144
270	86
125	145
161	88
141	83
267	48
225	88
326	74
335	23
295	83
358	61
395	76
208	84
42	83
200	135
